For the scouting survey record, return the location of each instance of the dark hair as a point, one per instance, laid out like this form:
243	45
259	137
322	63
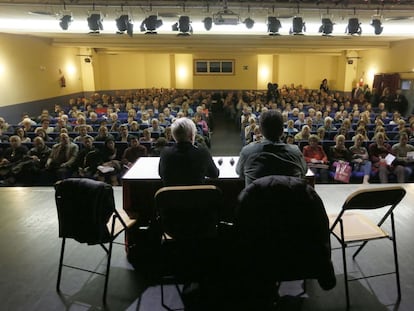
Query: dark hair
271	124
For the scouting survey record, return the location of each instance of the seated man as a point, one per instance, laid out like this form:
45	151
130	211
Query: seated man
133	152
270	156
61	160
184	163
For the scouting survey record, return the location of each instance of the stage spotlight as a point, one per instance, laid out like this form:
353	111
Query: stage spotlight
378	28
150	24
249	23
95	22
208	23
183	26
326	27
273	26
354	26
123	23
65	21
298	26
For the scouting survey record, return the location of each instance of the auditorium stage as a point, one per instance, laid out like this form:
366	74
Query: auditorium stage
30	250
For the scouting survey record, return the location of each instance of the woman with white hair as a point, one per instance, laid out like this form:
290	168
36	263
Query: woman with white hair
185	163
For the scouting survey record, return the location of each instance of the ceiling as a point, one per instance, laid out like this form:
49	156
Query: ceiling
393	13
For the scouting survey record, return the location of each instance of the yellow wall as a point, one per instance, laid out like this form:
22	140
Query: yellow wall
31	69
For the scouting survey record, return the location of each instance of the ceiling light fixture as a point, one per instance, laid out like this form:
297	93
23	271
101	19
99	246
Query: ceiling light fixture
95	22
377	24
249	23
327	27
298	26
65	21
273	26
123	23
354	27
150	24
208	23
183	26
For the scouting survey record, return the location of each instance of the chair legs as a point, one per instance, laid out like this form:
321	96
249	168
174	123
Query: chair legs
162	297
62	251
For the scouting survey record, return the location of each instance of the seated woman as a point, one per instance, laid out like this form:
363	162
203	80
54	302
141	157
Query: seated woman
339	153
378	151
111	163
360	158
303	134
316	158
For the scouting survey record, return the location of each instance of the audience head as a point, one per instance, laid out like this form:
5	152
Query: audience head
271	125
183	130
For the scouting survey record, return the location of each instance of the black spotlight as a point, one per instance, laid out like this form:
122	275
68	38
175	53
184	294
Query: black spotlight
95	22
183	26
298	26
273	26
208	23
249	23
326	27
123	23
354	27
376	23
65	21
150	24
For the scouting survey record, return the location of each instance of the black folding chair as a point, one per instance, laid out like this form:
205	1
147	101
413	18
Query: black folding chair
86	213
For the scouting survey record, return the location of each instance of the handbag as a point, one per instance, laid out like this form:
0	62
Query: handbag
342	171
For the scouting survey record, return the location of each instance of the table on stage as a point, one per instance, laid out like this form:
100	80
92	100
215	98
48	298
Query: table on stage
142	181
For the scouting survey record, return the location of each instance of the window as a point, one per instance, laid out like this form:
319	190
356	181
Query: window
214	67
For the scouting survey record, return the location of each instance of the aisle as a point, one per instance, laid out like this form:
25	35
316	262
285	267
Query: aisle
225	140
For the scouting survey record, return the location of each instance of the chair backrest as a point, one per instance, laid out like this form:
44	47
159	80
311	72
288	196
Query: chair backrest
375	198
284	229
84	208
189	212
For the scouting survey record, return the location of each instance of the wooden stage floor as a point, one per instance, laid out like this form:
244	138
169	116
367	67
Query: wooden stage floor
30	246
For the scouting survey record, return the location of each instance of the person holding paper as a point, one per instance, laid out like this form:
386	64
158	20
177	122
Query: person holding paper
382	163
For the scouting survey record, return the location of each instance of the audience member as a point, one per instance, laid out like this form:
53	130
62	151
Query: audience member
360	158
316	158
133	152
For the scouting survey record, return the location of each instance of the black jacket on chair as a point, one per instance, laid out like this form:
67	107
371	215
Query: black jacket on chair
84	208
284	231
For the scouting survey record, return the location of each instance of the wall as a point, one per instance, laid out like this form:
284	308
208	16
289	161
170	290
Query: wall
31	69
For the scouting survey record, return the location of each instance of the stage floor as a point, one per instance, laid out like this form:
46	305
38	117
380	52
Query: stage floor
30	247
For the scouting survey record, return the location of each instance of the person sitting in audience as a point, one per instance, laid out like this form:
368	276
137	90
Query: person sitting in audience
40	132
88	159
27	125
249	131
381	129
61	159
329	127
39	153
290	128
360	158
13	157
300	121
114	122
361	131
381	164
124	135
146	136
81	122
134	127
183	163
289	157
110	160
93	119
318	120
103	134
404	153
45	126
321	133
62	122
158	146
156	127
168	135
316	158
339	152
4	126
83	133
22	134
3	138
303	134
342	131
133	152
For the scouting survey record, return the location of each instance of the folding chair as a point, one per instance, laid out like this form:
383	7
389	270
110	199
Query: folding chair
188	218
352	228
86	213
